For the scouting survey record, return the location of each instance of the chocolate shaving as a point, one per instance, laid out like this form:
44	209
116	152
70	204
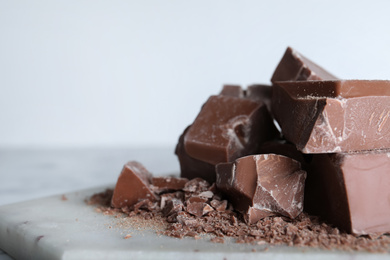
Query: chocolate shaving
222	221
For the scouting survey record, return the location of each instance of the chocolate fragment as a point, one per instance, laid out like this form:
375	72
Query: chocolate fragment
351	190
164	184
304	230
294	67
263	185
257	93
334	116
192	168
227	128
261	93
132	185
232	91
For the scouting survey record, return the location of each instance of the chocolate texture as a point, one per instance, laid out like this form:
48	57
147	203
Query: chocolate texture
334	116
165	184
227	128
351	190
132	186
192	168
257	93
263	185
295	67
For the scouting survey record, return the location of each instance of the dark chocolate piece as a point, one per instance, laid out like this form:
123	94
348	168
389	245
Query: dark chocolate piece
263	185
351	190
227	128
192	168
132	186
294	66
334	116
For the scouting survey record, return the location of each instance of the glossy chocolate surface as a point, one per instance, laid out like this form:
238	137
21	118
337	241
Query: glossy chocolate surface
334	116
227	128
351	190
295	67
132	185
263	185
193	168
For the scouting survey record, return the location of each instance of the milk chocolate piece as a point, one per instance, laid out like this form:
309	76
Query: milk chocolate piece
132	186
351	190
263	185
257	92
164	184
192	168
227	128
334	116
294	67
232	91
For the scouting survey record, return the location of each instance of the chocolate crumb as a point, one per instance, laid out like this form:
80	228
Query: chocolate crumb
193	211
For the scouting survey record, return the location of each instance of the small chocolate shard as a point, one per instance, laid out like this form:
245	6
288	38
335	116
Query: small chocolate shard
132	186
197	206
334	116
295	67
263	185
173	206
219	205
165	184
227	128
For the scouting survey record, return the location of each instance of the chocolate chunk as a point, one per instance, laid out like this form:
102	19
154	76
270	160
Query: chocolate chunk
132	186
173	206
257	93
261	93
232	91
192	168
263	185
164	184
283	147
294	66
227	128
334	116
351	190
197	206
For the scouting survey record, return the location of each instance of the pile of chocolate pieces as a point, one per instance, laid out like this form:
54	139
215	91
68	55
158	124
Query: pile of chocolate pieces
330	158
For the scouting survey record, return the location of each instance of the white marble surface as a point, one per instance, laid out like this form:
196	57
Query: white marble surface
36	173
71	230
53	228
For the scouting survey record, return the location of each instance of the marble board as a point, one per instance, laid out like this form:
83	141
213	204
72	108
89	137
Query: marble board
65	227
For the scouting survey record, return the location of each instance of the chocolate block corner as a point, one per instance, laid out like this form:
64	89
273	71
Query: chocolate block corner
334	116
295	67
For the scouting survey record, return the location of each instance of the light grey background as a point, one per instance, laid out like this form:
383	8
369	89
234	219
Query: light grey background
135	73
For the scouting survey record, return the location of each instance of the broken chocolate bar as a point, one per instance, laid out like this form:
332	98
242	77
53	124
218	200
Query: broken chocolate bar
132	186
294	67
192	168
164	184
227	128
263	185
351	190
258	93
334	116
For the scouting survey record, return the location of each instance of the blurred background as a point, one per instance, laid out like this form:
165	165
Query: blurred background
135	73
86	85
